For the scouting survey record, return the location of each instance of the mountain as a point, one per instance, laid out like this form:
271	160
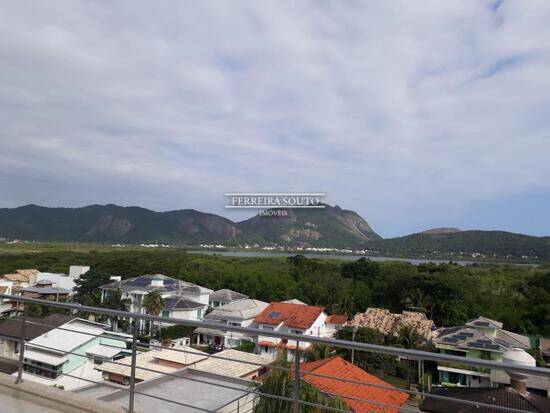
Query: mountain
328	227
331	226
465	243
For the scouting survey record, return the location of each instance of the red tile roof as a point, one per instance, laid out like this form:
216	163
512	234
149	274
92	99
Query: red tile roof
341	369
291	315
337	319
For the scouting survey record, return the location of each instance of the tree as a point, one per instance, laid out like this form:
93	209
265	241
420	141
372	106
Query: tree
113	300
362	270
318	352
87	291
153	304
280	383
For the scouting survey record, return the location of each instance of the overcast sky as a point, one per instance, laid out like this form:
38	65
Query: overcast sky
415	114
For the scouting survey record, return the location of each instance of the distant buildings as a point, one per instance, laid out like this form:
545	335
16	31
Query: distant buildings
290	318
390	324
238	313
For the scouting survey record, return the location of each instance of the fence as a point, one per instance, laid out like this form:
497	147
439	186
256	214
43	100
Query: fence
253	393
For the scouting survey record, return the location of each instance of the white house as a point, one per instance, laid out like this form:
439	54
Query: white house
183	300
238	313
291	318
225	296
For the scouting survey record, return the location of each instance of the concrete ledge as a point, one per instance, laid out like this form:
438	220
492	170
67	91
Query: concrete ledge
53	398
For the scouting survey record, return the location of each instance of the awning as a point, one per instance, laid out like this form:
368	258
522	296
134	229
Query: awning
211	331
106	352
45	357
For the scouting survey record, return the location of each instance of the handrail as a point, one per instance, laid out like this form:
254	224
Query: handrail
395	351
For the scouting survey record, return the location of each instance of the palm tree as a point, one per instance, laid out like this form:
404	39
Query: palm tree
114	301
318	352
153	304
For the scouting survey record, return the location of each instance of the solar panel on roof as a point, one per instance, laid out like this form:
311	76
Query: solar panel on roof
492	346
475	345
274	314
468	334
481	323
484	341
450	340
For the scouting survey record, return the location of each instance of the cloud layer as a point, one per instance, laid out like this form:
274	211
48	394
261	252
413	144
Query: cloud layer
414	114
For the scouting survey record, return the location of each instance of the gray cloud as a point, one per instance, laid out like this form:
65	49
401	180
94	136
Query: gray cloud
410	113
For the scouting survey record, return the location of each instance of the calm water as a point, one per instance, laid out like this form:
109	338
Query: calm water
349	257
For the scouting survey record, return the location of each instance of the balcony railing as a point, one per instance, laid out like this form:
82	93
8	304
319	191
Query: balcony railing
295	371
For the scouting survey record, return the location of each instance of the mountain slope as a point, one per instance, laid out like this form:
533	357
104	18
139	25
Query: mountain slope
489	243
330	227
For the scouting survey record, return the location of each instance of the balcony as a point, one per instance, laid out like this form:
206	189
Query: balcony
183	379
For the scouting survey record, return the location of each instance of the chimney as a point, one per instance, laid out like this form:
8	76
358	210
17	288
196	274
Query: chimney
518	381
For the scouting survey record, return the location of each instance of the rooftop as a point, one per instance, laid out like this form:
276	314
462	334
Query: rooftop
339	368
227	295
148	282
505	397
181	303
237	310
237	366
338	319
291	315
11	328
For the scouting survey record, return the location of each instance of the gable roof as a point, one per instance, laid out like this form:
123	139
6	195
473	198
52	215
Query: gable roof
506	397
338	319
143	283
484	322
291	315
227	295
237	310
386	400
181	303
233	363
34	327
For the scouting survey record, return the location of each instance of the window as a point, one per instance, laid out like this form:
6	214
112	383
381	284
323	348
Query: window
234	323
200	313
296	332
264	327
165	313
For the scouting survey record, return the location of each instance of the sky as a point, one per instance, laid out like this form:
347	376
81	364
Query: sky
415	114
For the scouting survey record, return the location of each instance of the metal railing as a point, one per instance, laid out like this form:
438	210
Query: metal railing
294	371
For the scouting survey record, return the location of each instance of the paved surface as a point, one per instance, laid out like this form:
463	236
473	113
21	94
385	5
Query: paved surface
8	366
9	404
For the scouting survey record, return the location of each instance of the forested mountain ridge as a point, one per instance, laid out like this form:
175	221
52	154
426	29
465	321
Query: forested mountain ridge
328	227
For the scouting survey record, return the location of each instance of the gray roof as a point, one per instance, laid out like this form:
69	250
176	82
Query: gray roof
180	303
484	322
45	290
227	295
206	391
467	338
237	310
143	283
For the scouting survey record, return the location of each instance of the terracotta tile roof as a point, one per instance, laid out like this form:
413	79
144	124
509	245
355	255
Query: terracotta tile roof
291	315
281	344
337	319
20	278
348	392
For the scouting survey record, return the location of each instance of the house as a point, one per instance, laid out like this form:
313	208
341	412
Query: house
45	290
10	331
59	280
71	350
390	324
480	338
238	313
362	392
234	363
151	364
182	300
290	318
11	284
225	296
516	396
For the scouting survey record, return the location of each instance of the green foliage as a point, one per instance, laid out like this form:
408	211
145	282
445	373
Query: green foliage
280	383
450	294
176	331
246	346
86	288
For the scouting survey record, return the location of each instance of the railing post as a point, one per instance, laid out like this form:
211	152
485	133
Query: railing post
133	366
22	347
297	359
